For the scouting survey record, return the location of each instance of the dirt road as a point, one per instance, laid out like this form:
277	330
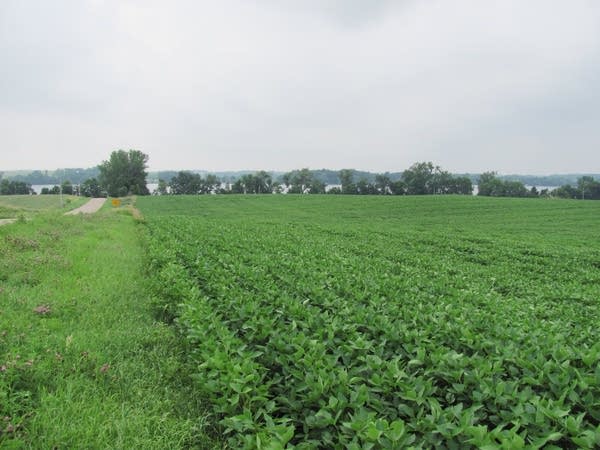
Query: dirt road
6	221
90	207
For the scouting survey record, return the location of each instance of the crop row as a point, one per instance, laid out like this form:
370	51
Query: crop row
326	337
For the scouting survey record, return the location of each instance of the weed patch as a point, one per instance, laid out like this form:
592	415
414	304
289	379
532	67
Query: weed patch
83	363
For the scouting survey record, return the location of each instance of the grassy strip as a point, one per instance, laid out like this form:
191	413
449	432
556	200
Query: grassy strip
83	363
12	206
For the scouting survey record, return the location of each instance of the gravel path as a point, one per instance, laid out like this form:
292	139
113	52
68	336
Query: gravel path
90	207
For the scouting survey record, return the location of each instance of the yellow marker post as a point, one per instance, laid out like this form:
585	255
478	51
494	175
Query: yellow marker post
116	202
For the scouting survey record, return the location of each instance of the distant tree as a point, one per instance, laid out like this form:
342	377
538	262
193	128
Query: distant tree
303	181
398	187
462	186
589	188
67	187
263	183
162	188
4	187
258	183
37	177
441	181
382	184
317	186
334	190
210	184
347	181
419	178
286	179
77	175
490	185
514	189
566	191
363	187
91	188
45	191
186	183
124	173
13	187
237	187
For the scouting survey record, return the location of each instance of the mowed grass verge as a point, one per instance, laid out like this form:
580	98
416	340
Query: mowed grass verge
83	361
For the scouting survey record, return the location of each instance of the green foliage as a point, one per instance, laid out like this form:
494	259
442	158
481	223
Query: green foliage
186	182
15	188
91	188
425	178
124	173
258	183
67	187
303	182
587	189
163	187
53	177
421	178
347	181
491	186
388	322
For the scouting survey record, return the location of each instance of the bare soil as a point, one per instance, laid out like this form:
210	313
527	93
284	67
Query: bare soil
90	207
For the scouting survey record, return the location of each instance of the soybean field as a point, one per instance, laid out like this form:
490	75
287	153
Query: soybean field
385	322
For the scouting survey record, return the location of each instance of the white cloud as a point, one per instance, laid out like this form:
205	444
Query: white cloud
272	84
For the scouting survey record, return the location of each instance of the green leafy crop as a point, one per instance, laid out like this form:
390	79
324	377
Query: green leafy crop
344	322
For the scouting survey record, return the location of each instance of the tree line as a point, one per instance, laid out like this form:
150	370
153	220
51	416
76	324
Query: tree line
587	188
75	176
420	179
124	173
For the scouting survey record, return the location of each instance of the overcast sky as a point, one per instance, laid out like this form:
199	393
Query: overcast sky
505	85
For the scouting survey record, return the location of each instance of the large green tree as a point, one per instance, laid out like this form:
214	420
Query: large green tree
303	181
492	186
124	173
259	183
186	183
419	178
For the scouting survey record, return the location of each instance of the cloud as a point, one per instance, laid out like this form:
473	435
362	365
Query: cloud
345	13
272	84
